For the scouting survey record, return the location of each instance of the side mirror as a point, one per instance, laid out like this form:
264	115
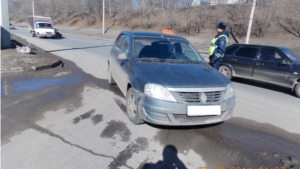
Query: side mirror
122	56
286	62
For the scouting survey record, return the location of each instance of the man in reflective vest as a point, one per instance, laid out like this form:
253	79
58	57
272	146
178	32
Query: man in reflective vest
217	46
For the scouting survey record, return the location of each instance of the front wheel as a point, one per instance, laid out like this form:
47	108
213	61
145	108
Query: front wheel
297	89
132	107
225	70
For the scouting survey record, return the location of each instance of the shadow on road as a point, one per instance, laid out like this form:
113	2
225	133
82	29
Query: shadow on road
264	85
184	127
170	160
49	51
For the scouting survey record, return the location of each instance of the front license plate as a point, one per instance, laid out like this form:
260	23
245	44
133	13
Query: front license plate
203	110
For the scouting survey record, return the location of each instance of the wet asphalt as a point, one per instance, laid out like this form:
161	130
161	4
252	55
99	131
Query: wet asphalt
235	143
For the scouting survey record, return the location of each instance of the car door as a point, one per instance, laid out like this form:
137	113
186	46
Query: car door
116	49
243	61
121	66
269	66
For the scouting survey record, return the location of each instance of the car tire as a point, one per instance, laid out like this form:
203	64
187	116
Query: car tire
225	70
110	78
132	108
297	89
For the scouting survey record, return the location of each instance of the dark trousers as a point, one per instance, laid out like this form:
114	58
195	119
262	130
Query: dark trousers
215	62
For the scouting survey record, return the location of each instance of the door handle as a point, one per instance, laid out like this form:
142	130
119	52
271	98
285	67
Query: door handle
233	59
259	63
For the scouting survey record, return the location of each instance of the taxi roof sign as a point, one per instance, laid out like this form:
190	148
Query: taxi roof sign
167	31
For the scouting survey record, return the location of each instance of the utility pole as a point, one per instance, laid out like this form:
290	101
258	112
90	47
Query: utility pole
250	21
103	14
32	8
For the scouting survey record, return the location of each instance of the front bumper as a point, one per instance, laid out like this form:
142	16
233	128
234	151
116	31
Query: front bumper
175	114
47	35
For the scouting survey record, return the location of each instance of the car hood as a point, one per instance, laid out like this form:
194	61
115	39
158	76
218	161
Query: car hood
182	75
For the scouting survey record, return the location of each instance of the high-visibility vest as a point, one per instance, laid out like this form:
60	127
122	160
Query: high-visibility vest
213	45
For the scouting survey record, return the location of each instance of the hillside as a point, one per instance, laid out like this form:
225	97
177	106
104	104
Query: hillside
195	23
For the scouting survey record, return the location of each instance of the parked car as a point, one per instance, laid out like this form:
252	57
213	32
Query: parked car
11	26
272	64
57	33
166	82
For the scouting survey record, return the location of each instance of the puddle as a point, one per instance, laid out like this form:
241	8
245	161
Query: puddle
97	118
116	128
30	85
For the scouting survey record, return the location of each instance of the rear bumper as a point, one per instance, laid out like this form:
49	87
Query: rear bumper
175	114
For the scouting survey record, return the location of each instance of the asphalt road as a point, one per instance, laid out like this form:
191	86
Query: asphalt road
74	119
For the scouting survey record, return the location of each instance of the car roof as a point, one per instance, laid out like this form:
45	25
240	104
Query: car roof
257	45
152	34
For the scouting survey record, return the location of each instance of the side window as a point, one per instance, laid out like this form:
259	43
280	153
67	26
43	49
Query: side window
117	45
269	55
230	50
246	52
126	45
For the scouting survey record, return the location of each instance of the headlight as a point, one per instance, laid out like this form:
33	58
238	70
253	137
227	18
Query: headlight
158	92
230	91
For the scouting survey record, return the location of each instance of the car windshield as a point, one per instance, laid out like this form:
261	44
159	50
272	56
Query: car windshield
45	25
291	55
165	50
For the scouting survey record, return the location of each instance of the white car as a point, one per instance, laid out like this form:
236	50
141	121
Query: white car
11	26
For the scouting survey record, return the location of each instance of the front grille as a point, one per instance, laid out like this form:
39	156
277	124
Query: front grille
48	33
194	97
192	119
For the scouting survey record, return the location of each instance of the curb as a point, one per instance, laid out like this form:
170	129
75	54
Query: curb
49	66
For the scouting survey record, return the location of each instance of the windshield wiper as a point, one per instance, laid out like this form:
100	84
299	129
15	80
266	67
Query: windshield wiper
151	60
182	61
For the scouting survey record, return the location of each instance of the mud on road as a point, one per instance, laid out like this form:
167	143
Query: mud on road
16	62
25	98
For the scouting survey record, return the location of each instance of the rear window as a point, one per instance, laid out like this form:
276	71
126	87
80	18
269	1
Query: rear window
231	49
246	52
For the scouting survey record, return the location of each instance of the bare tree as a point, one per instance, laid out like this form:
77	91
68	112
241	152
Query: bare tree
290	21
170	7
202	17
238	18
264	16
